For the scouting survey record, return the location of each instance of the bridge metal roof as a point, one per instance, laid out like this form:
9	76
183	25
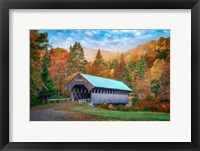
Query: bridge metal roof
101	82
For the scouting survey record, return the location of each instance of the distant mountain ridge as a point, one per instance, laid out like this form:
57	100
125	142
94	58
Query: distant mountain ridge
134	54
91	53
150	49
153	49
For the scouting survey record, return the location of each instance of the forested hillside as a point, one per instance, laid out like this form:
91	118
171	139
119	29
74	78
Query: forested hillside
145	68
90	54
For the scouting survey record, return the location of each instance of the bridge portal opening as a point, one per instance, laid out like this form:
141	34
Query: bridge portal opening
80	92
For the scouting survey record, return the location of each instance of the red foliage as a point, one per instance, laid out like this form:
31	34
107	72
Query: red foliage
63	57
152	106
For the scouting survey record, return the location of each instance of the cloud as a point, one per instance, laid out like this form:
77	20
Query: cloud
108	35
95	32
89	33
55	38
59	33
138	33
113	40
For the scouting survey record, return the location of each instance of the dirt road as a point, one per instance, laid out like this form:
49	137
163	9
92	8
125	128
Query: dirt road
59	112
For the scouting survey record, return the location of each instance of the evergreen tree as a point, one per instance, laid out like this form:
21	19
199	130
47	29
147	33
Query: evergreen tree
48	89
81	58
77	60
141	67
128	75
155	87
99	59
113	64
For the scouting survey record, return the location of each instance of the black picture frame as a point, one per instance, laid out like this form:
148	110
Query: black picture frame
5	5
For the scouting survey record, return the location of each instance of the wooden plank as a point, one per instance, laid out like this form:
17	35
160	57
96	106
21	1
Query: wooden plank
98	98
79	80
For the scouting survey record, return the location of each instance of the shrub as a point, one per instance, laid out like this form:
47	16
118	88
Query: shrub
66	95
147	108
34	101
153	106
111	107
122	108
104	105
134	100
136	108
150	98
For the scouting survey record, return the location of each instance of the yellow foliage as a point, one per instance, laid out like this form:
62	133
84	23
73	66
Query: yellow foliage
111	74
156	70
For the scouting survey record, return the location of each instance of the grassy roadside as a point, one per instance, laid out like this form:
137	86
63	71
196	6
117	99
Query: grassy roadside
122	115
105	114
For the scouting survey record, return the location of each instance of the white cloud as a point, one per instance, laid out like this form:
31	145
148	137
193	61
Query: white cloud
113	40
95	32
69	39
108	35
59	33
89	33
138	33
56	38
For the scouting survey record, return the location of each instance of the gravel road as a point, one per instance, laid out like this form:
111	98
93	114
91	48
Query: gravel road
49	114
59	112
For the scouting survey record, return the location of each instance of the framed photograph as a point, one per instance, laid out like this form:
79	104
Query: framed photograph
96	75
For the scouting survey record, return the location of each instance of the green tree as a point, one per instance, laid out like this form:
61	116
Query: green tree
128	75
77	60
155	86
98	59
141	67
132	66
48	89
113	64
162	54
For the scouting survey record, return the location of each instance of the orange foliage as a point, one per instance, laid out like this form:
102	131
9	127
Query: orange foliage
62	58
152	106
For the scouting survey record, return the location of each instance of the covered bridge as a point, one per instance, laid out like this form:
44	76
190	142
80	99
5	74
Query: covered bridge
98	89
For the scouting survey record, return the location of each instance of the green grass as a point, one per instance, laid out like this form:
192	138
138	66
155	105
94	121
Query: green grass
123	115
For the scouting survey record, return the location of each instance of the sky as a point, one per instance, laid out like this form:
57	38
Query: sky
112	40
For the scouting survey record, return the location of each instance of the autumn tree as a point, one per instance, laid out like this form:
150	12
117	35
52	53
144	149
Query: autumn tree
164	83
111	73
58	69
99	67
120	68
156	69
57	52
38	44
